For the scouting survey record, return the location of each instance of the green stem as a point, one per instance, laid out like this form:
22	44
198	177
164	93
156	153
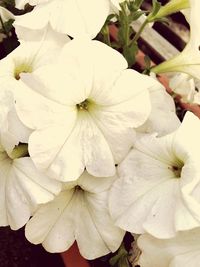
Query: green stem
126	26
2	25
172	7
137	35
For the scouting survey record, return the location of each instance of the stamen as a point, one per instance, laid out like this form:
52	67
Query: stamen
22	68
83	105
177	170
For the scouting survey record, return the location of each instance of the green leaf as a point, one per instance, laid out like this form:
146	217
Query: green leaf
8	25
135	15
120	259
111	16
123	262
163	20
9	2
138	3
121	36
130	53
156	7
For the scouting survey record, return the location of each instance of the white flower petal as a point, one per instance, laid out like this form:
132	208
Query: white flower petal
187	259
95	234
52	150
45	34
95	67
23	187
182	250
80	18
101	133
4	168
120	139
55	84
74	18
153	196
37	112
31	21
185	137
12	130
97	154
162	104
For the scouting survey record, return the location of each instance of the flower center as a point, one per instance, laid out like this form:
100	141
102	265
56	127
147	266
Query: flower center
19	151
22	68
78	188
84	105
177	169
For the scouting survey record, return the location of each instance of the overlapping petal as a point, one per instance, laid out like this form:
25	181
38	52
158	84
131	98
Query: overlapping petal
100	134
79	213
75	18
159	185
23	187
163	109
182	250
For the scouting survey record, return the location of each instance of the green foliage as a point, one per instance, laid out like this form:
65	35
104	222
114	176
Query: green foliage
104	35
136	15
134	5
7	3
129	13
120	259
7	26
156	7
147	62
130	53
127	39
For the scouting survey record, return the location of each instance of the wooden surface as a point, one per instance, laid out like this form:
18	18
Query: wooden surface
156	41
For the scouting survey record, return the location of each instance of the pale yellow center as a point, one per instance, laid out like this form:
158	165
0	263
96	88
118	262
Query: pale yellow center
22	68
85	105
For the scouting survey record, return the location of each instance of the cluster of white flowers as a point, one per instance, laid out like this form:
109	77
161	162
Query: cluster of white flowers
90	148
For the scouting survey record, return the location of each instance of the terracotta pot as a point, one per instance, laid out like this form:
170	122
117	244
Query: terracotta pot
73	258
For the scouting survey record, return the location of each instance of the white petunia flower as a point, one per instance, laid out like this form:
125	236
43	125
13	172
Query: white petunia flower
75	18
12	131
188	61
181	251
79	213
159	188
186	13
53	39
184	85
22	188
27	57
163	109
169	8
83	110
